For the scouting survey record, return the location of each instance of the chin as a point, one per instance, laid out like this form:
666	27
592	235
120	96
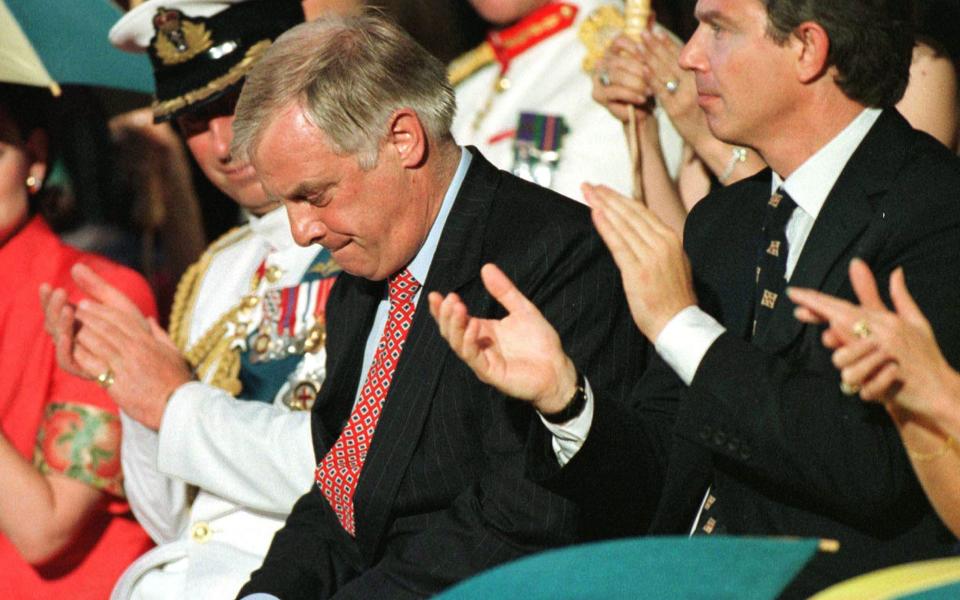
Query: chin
253	200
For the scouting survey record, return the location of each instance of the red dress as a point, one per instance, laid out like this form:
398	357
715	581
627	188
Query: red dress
60	422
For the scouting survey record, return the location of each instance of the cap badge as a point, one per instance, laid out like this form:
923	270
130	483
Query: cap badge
178	38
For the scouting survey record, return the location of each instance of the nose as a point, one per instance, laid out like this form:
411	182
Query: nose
692	57
305	225
221	131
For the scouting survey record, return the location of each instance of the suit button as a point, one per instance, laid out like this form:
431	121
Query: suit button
719	438
705	432
200	532
745	453
733	444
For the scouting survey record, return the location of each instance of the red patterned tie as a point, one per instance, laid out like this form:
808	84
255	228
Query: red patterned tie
339	471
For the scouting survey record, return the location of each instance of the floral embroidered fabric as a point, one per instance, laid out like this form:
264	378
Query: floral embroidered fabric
81	442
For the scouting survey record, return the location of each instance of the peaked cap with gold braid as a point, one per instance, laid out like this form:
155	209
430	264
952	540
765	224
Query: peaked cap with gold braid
201	49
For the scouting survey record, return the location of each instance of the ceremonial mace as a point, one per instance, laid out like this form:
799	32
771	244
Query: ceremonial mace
636	15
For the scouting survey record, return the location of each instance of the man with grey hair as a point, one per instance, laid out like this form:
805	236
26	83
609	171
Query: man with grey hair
425	475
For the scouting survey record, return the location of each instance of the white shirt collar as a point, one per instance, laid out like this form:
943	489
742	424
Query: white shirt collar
811	183
274	227
420	265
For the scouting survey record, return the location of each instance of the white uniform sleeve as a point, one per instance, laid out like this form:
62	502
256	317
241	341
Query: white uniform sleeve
250	453
158	502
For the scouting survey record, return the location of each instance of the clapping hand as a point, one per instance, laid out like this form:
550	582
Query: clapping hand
654	268
890	356
520	355
106	337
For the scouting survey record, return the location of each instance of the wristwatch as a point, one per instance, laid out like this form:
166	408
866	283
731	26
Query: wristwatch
574	407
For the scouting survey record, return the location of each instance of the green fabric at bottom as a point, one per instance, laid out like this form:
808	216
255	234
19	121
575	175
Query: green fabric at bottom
947	592
713	568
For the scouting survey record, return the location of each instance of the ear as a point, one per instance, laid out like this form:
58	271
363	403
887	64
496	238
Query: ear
812	45
407	137
37	148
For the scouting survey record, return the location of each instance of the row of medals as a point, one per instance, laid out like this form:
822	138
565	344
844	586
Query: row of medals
270	344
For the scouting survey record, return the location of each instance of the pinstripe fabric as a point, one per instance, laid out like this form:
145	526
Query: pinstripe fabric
456	478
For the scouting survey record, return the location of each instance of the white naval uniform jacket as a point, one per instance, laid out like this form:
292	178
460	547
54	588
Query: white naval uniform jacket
548	78
250	460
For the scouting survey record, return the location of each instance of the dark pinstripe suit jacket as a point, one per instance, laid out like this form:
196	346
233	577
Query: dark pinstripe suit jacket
765	423
450	486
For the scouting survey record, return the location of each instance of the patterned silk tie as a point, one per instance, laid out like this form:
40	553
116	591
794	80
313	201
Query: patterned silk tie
338	473
771	273
772	258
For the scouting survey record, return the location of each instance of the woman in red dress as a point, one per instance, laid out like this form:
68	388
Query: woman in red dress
65	530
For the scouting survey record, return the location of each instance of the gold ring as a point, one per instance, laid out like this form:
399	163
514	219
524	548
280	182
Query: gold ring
105	379
861	329
849	389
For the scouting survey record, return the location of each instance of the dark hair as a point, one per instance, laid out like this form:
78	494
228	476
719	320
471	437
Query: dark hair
27	107
938	25
871	42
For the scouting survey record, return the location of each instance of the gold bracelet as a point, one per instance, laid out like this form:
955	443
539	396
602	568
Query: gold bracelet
931	456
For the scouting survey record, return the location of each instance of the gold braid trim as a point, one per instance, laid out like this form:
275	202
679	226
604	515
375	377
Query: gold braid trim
469	63
235	74
214	357
597	32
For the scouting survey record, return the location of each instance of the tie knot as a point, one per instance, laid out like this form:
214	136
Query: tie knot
780	207
781	201
403	286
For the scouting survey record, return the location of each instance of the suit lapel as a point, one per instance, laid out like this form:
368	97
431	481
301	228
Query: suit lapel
738	308
846	213
455	263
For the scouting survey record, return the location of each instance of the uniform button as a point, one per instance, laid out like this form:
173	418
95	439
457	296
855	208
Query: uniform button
705	432
719	438
200	532
274	273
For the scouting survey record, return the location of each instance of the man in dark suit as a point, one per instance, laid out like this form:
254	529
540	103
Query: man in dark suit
346	123
766	442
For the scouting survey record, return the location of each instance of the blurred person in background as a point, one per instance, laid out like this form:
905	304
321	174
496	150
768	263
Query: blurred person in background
931	100
65	528
523	96
217	425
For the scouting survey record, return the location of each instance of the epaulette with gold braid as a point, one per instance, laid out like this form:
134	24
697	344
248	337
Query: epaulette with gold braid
597	32
214	343
469	63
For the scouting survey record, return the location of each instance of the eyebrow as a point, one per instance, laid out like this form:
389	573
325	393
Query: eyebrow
712	16
306	188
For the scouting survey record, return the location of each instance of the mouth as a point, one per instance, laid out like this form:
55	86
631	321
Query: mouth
239	172
705	99
335	246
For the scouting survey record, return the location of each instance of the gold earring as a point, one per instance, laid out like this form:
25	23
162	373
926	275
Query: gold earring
32	183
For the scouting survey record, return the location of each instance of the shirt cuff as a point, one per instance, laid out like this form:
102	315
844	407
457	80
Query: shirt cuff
260	596
568	437
685	340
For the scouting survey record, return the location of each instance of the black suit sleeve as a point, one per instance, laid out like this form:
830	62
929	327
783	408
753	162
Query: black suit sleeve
299	563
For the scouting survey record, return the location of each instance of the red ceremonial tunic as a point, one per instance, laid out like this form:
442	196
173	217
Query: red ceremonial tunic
60	422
